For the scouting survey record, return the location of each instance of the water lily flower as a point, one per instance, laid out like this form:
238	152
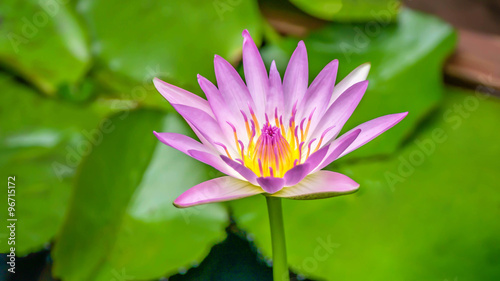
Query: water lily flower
270	136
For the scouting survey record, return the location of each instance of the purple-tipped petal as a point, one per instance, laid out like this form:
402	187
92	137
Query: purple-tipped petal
205	125
275	94
339	112
271	184
245	172
296	77
231	87
319	93
216	190
222	113
357	75
297	173
214	161
255	72
338	146
176	95
372	129
196	150
322	184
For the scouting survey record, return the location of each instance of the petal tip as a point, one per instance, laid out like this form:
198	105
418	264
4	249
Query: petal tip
201	79
401	116
301	48
179	204
362	84
157	135
158	82
270	184
366	68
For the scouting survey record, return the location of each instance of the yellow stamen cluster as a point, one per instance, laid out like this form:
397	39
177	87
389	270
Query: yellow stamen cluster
277	147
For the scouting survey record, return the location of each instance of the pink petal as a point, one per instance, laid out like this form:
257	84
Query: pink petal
213	160
322	184
372	129
320	91
339	112
297	173
221	111
231	87
255	72
357	75
271	184
196	150
216	190
296	77
176	95
181	142
338	146
248	174
180	97
205	125
275	94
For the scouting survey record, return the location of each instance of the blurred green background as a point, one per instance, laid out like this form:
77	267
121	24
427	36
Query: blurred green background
94	187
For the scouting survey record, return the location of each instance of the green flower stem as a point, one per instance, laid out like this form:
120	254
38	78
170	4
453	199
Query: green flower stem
280	266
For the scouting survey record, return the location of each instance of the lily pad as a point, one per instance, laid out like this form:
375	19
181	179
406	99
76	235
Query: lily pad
350	10
173	40
121	220
406	60
41	143
43	42
429	212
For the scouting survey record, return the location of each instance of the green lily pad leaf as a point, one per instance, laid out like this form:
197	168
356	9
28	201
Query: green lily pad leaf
416	215
351	10
172	40
406	60
43	42
121	220
41	143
